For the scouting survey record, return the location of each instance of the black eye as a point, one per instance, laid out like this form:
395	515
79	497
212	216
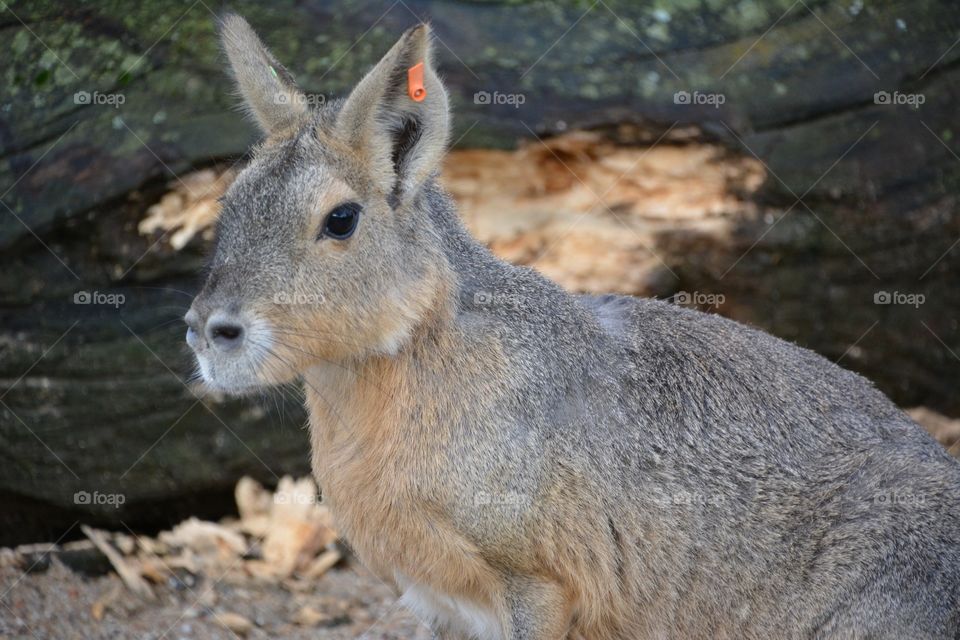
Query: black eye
342	221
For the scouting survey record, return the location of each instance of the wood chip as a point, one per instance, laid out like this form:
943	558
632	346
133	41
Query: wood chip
254	503
299	527
234	622
310	617
99	608
945	430
130	576
152	546
252	498
154	569
126	544
322	563
190	208
10	558
206	537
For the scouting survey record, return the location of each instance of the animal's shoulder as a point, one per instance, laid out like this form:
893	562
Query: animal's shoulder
708	354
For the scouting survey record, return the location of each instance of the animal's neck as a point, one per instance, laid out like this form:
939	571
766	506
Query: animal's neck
378	403
357	394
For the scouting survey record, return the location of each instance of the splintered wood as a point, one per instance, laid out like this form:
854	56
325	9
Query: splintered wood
190	208
593	215
599	217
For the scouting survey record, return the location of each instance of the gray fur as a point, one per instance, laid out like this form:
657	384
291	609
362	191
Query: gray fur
756	488
705	479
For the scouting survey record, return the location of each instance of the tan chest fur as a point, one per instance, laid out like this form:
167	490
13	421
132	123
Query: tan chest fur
378	457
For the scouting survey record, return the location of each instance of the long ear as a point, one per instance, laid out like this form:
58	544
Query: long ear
267	88
400	134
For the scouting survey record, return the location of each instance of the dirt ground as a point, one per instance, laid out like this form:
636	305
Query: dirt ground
277	571
56	603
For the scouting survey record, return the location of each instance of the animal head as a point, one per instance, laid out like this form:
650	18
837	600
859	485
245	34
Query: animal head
324	248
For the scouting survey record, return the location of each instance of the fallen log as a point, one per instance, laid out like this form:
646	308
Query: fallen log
849	109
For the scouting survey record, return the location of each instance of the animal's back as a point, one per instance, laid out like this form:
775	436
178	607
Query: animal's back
770	489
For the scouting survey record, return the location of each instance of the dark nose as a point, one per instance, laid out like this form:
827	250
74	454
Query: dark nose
224	332
220	330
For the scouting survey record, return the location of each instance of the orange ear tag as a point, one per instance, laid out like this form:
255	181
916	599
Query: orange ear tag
415	83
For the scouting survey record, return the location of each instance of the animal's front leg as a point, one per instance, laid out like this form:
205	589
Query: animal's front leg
537	610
